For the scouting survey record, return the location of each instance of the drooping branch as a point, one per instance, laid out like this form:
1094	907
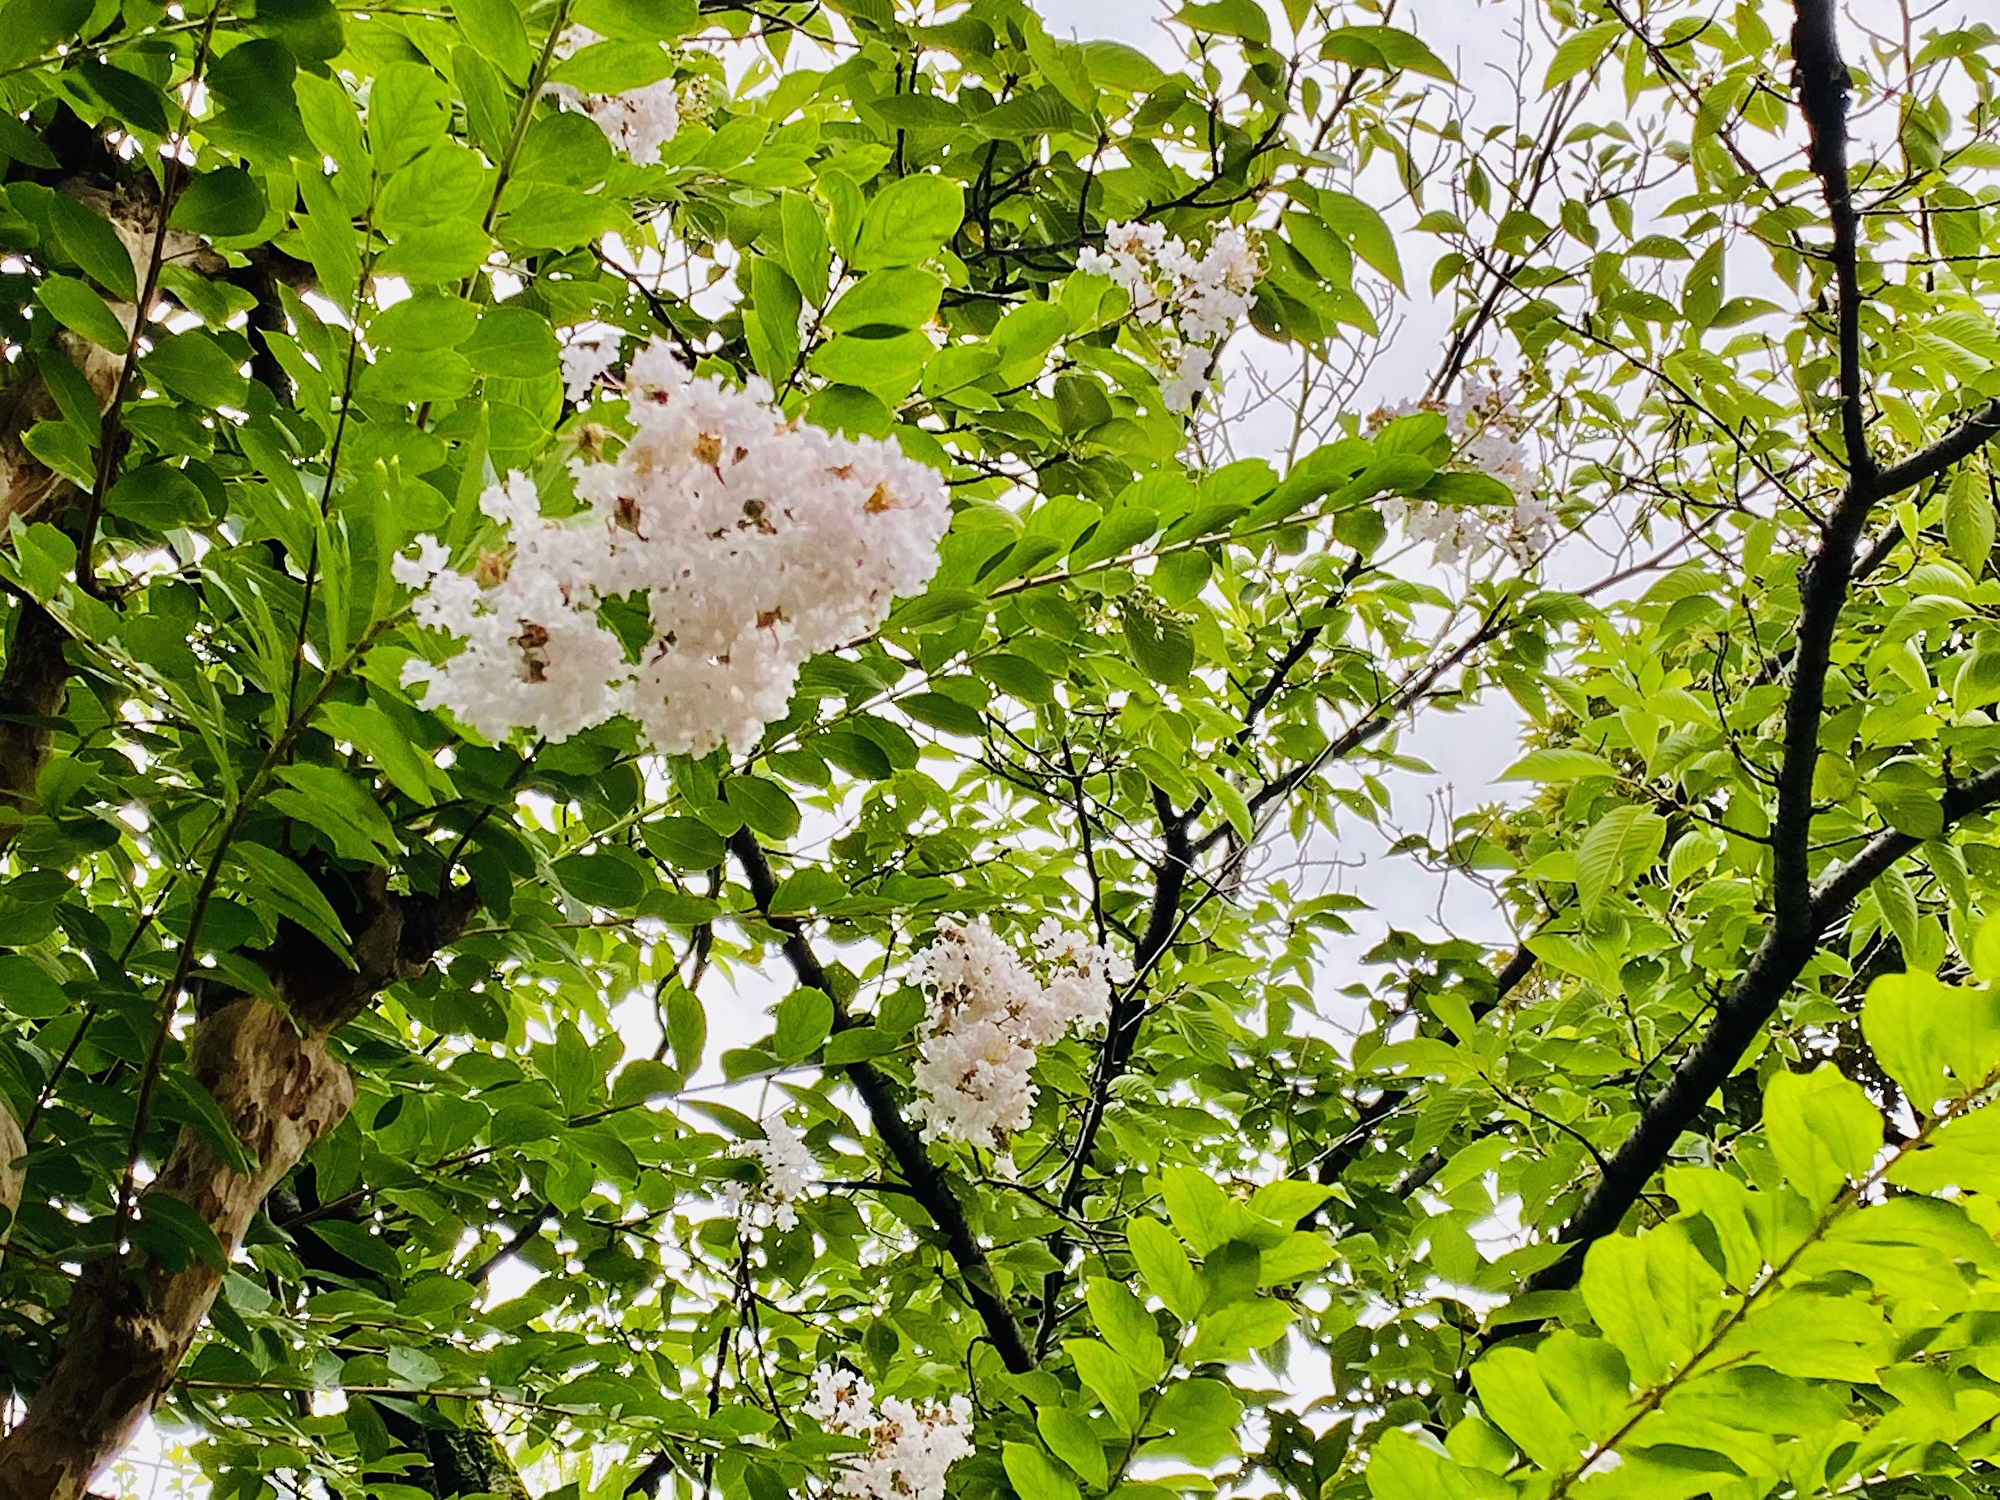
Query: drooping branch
927	1184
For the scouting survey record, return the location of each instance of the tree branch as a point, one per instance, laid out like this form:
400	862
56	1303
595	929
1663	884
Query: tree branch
1964	440
1741	1015
927	1183
1802	909
131	1318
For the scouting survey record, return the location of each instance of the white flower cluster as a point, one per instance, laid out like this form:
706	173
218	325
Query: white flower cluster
1193	299
1486	430
988	1013
788	1167
912	1443
756	543
637	122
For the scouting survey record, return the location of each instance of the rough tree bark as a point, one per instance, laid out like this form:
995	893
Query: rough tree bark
131	1319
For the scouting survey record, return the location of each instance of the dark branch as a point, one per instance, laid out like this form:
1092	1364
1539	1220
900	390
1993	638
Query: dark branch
516	1243
926	1183
1974	433
1750	1003
1803	910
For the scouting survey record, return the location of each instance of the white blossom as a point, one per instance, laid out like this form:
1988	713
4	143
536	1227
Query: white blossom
1194	299
988	1012
637	122
910	1444
788	1167
1487	432
585	361
756	544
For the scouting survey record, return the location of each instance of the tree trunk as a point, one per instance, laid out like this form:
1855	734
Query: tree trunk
13	1171
131	1322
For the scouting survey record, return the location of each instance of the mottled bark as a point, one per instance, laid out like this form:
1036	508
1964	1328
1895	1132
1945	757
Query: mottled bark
13	1169
131	1323
33	685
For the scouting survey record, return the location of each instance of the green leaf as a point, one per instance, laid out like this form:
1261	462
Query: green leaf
1406	1466
1579	52
514	342
615	67
1033	1476
1620	846
1822	1129
1206	1216
612	878
195	366
1122	529
65	450
1165	1266
260	113
27	989
1938	1041
74	305
1123	1323
772	323
135	100
887	367
1238	18
334	803
857	1044
1073	1440
639	20
1230	1333
890	300
908	222
94	245
358	1245
175	1235
1968	519
221	203
1555	765
495	28
445	184
1364	231
1653	1295
1384	47
277	881
1109	1378
766	807
808	253
941	711
387	744
409	111
811	887
687	1029
1160	645
1701	298
804	1018
432	321
684	843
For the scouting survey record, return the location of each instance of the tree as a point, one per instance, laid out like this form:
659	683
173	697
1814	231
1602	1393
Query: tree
523	517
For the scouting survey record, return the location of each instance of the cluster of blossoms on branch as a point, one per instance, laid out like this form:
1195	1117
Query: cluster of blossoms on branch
755	543
988	1012
1487	430
1194	300
911	1444
637	122
788	1167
